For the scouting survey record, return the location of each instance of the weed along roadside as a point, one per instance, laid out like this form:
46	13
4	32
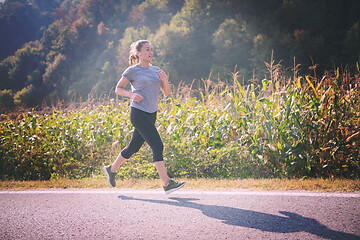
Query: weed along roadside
317	185
280	127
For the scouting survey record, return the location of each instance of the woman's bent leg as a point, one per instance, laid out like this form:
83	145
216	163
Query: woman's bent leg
160	167
145	125
145	130
135	144
117	163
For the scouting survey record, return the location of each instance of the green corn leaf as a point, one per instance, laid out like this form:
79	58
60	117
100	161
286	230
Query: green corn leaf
269	129
266	101
312	87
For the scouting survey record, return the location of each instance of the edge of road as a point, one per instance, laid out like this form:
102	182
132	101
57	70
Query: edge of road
295	193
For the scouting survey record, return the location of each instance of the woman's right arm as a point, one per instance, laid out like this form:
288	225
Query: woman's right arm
121	91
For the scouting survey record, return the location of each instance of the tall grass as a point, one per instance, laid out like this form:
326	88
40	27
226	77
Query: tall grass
282	126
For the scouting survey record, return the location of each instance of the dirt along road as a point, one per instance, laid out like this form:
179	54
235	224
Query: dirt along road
118	214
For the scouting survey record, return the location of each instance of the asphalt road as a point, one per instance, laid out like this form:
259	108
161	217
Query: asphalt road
117	214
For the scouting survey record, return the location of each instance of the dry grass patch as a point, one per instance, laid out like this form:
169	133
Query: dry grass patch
320	185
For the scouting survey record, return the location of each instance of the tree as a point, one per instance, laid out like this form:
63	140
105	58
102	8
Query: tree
186	42
260	53
28	97
25	61
5	67
83	45
20	23
55	71
232	46
352	42
6	100
151	13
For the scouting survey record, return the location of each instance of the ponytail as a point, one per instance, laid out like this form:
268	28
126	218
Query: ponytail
135	47
133	59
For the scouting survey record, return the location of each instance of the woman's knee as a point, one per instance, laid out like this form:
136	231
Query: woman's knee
129	151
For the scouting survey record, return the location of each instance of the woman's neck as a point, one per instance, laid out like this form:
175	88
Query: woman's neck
144	64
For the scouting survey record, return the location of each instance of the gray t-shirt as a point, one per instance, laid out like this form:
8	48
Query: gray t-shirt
146	82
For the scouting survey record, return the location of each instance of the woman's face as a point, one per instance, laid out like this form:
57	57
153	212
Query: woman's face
146	52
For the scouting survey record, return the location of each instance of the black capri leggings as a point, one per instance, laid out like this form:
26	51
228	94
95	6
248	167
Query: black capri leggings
145	130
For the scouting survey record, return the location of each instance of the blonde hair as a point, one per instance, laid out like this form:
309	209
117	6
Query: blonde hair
136	47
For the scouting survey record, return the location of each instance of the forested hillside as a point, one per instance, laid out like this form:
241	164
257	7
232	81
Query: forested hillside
69	48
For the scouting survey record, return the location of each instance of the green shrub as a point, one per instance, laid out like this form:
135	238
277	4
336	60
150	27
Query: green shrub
6	99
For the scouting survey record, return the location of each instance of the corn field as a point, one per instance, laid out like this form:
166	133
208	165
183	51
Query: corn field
282	126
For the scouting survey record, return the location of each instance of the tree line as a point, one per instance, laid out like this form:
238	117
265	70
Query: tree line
69	49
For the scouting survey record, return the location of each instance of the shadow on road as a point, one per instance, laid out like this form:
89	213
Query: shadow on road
290	222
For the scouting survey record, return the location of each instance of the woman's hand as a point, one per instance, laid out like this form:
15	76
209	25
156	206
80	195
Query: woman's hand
165	87
163	76
136	97
120	90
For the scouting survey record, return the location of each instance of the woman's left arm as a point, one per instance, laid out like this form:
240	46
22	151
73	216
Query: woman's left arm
165	86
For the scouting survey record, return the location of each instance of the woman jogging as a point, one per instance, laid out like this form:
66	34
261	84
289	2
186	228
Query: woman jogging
145	80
